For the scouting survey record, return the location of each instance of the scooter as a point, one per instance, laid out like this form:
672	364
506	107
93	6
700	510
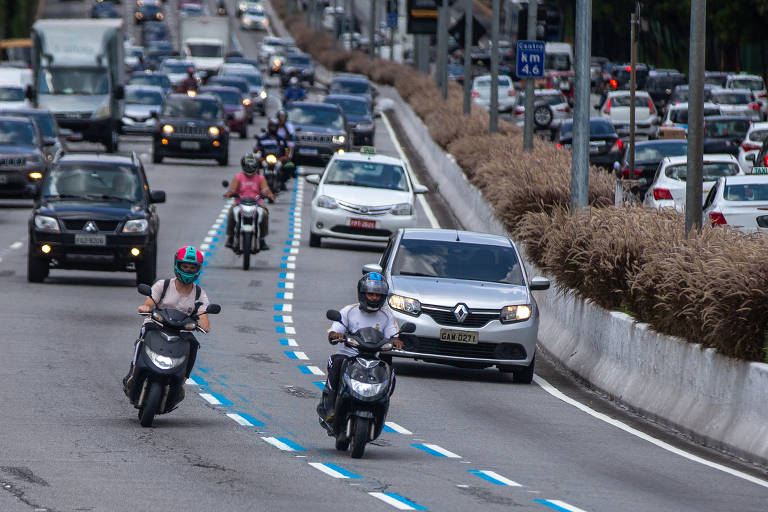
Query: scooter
271	168
247	232
161	364
362	400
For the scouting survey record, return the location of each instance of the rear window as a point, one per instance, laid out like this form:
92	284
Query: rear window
351	87
226	97
457	260
711	171
747	83
486	82
11	94
143	97
746	192
597	128
680	115
726	128
624	101
731	98
657	151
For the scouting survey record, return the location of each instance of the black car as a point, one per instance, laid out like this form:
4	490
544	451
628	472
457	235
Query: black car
150	78
359	114
297	65
52	142
620	75
357	85
191	127
321	130
724	134
605	146
22	160
95	212
148	12
648	156
661	84
155	32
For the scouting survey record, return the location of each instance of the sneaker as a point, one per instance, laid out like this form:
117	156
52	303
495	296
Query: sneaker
263	243
228	243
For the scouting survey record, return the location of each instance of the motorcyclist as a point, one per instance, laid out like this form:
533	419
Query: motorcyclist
180	293
190	81
372	291
286	131
249	183
270	142
294	91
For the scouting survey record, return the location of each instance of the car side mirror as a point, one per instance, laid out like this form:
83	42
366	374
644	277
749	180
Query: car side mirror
145	289
213	309
751	157
408	328
372	267
154	114
157	196
420	189
333	315
313	179
119	92
539	283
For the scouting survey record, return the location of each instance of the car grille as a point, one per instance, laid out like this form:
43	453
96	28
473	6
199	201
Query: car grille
480	350
361	231
79	224
314	138
445	316
63	116
190	131
364	210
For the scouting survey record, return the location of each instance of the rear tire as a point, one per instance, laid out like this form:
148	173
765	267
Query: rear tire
37	269
359	437
147	413
314	240
246	248
524	375
244	133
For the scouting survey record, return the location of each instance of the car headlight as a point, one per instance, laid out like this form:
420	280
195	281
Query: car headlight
263	95
136	226
327	202
271	159
161	361
402	209
338	139
213	131
405	304
46	223
167	129
515	313
34	175
364	389
246	102
247	21
242	5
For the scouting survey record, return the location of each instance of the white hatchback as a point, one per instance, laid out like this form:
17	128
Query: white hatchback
677	114
362	196
616	109
752	144
754	83
481	92
740	202
668	187
736	102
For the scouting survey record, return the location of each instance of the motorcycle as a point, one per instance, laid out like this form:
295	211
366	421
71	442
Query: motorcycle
161	365
247	233
362	400
271	168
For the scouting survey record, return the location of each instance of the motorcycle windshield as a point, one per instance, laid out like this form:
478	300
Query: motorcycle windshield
367	371
369	338
166	344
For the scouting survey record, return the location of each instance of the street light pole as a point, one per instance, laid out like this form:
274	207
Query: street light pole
693	181
494	117
529	82
634	22
468	20
372	31
580	151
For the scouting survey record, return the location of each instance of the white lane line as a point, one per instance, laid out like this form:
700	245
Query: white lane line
287	319
315	370
205	246
397	428
208	239
333	470
288	295
293	251
290	276
549	388
240	420
442	451
494	477
210	398
279	444
419	197
290	266
286	308
389	500
560	505
16	245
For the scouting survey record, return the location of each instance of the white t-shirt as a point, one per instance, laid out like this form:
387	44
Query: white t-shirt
355	319
174	300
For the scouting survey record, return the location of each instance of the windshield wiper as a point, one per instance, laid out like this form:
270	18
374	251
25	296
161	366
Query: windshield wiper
415	274
107	196
65	196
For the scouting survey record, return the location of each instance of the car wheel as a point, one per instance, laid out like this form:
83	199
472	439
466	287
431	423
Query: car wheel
111	143
244	131
224	159
314	240
542	116
157	157
524	375
37	269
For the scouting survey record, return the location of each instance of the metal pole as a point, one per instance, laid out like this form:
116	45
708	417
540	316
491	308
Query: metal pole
372	31
468	18
391	44
529	82
693	182
441	45
580	151
494	118
335	24
634	21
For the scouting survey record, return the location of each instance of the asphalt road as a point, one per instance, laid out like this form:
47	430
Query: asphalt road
247	438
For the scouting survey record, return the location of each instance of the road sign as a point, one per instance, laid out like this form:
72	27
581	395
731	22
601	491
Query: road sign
392	20
530	59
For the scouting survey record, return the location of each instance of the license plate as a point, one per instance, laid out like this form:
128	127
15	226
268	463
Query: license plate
3	179
308	151
755	170
100	240
594	149
190	144
362	223
454	336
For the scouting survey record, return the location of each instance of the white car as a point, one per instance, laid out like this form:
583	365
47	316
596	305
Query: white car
668	187
255	18
236	68
176	69
274	45
616	108
481	92
13	96
754	83
554	98
330	14
677	114
740	202
362	196
752	144
736	102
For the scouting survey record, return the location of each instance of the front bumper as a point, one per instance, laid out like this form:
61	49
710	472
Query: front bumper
146	126
93	130
13	183
324	152
337	223
181	147
114	256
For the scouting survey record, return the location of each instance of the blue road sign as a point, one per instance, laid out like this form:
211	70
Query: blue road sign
392	20
530	59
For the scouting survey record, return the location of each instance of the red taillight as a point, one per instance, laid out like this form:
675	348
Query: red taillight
661	194
637	173
614	83
651	109
754	106
511	92
564	108
748	146
559	145
617	146
628	69
762	95
475	94
765	160
717	219
607	109
519	111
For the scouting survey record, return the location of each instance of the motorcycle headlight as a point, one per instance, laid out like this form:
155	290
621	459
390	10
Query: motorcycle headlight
213	131
515	313
246	102
263	95
338	139
136	226
271	159
327	202
364	389
46	223
402	209
405	304
161	361
190	326
167	129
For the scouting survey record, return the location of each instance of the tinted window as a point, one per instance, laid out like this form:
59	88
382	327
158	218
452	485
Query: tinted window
597	128
159	80
93	180
731	98
143	97
44	122
711	171
457	260
551	99
18	133
657	151
486	82
240	84
11	94
253	79
557	61
298	59
746	192
299	115
357	108
367	174
195	109
758	135
351	87
226	97
624	101
204	50
175	67
747	83
726	128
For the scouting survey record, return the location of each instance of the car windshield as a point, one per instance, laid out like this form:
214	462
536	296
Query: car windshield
711	171
192	108
44	122
256	11
758	135
159	80
205	50
351	107
73	81
303	115
17	133
597	128
680	115
551	99
557	61
746	192
175	67
367	174
753	84
226	97
297	59
457	260
717	80
93	180
253	79
624	101
351	86
138	97
656	151
726	128
11	94
731	98
240	84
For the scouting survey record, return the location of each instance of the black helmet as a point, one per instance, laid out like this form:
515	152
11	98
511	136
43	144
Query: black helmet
249	163
272	126
372	282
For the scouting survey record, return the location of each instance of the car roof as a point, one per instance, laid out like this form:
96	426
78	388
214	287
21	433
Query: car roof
220	78
24	111
142	87
185	62
187	97
684	105
708	158
114	158
746	76
353	156
350	78
313	104
726	118
346	97
16	118
658	141
746	179
758	126
731	90
452	235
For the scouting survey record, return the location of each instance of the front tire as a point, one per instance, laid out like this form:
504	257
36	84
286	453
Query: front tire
246	248
359	437
147	413
111	142
524	375
342	443
314	240
37	269
224	159
157	157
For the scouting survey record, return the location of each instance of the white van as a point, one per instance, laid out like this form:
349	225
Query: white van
558	57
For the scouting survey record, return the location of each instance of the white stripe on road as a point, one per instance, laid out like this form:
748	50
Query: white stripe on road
16	245
389	500
210	398
397	428
240	420
442	451
563	505
279	444
329	470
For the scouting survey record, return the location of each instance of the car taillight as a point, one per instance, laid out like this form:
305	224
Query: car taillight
614	83
617	146
628	69
717	219
475	94
564	108
660	194
765	161
748	146
762	95
651	109
607	108
559	145
754	106
637	173
519	111
511	92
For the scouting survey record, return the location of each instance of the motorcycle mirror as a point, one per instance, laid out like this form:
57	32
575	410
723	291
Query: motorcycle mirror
213	309
333	315
408	328
145	289
225	183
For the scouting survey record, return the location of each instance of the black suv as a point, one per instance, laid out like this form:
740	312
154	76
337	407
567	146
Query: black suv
22	160
297	65
52	141
191	127
95	212
321	130
359	114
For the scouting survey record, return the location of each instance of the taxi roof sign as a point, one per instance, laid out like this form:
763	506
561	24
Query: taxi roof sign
368	150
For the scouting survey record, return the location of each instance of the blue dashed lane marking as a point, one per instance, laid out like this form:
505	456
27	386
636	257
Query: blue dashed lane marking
321	385
198	380
397	501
